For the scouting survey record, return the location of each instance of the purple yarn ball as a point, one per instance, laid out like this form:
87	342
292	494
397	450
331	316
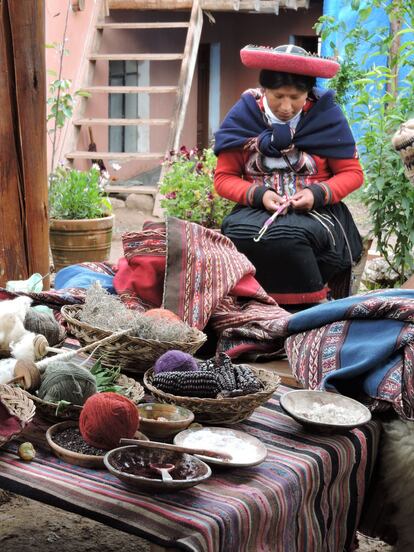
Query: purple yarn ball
175	361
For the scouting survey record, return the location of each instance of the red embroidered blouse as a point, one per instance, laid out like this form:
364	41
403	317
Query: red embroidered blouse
337	177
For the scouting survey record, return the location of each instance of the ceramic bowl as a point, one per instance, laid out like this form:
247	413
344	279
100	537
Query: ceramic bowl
131	465
246	450
84	460
160	421
305	407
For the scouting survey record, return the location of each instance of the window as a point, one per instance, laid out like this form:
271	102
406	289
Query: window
129	106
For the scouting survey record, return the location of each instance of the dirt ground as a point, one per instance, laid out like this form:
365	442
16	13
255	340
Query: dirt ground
27	525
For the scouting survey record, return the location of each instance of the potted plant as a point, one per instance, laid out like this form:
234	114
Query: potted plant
81	217
188	188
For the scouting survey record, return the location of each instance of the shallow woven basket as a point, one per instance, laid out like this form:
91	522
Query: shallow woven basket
129	353
18	404
220	411
49	410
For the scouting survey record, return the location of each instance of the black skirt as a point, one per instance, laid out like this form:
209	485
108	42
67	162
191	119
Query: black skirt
300	252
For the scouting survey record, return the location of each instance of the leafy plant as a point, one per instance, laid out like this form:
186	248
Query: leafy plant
106	379
378	102
188	188
77	194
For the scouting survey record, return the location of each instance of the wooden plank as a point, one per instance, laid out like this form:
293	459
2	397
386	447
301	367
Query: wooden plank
113	155
186	74
164	25
142	190
210	5
131	89
84	77
281	368
134	57
24	236
184	88
122	122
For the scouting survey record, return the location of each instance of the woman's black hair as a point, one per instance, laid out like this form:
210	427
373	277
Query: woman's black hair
276	79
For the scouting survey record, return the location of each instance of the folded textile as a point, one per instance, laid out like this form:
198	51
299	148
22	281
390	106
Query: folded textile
199	274
361	346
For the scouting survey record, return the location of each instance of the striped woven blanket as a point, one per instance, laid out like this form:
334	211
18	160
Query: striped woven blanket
307	496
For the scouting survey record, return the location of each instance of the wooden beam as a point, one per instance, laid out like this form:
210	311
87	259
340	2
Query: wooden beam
114	155
135	57
144	26
186	75
24	236
184	88
122	122
260	6
130	89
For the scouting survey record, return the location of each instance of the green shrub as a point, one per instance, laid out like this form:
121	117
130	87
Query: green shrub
188	188
77	194
378	101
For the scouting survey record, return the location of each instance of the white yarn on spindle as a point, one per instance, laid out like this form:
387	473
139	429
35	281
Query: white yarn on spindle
7	369
24	348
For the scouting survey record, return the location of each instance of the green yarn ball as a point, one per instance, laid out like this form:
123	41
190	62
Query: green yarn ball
67	381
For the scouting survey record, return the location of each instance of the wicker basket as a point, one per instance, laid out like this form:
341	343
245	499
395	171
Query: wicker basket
132	354
220	411
18	404
50	411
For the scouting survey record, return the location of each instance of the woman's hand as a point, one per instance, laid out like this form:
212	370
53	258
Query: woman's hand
302	200
272	201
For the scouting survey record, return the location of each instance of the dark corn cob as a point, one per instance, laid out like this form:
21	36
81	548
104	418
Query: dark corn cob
246	379
188	384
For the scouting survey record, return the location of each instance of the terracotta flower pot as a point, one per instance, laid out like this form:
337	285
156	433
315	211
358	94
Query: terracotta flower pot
78	241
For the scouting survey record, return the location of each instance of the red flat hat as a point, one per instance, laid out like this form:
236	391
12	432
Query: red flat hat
288	59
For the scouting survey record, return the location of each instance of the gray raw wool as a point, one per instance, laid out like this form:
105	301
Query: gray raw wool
106	311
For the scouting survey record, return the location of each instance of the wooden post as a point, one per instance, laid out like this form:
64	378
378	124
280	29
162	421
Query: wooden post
24	232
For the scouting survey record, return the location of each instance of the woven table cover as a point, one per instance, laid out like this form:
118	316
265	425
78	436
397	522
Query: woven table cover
306	497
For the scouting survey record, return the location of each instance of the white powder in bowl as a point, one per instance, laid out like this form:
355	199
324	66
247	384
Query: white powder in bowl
242	451
330	413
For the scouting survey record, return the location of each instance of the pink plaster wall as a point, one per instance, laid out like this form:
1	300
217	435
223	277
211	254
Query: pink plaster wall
78	23
233	30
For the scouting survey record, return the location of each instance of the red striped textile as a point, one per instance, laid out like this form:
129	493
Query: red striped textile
307	495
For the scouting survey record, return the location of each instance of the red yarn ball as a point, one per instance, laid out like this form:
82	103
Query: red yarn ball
106	418
163	314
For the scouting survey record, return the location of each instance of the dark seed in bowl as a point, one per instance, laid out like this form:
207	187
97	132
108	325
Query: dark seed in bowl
71	439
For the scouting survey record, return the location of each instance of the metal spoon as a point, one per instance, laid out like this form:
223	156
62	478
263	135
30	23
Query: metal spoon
163	469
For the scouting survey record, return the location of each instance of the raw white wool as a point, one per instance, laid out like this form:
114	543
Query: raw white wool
7	369
24	348
329	413
12	315
241	451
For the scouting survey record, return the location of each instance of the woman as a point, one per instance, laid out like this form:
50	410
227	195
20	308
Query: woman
287	147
